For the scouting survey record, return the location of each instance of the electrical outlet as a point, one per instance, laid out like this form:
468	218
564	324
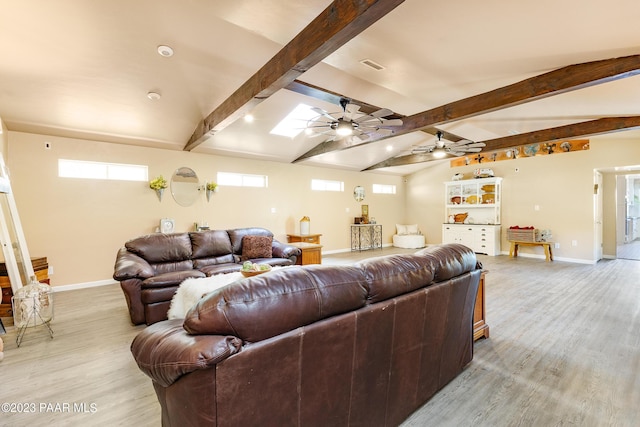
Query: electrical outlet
574	243
556	245
50	270
347	210
536	207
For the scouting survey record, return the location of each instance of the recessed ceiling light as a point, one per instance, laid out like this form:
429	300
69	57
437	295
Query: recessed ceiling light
248	118
154	96
165	51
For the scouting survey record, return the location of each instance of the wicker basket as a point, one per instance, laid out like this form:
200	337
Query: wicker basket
520	235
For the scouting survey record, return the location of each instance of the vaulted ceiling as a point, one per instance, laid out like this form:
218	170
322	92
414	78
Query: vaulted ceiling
504	73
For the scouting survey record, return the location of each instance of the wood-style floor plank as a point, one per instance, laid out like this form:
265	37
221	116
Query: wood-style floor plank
564	350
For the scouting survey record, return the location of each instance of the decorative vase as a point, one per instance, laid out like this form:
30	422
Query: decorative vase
209	194
159	192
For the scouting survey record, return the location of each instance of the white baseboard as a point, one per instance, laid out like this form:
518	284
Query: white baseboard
555	258
340	251
77	286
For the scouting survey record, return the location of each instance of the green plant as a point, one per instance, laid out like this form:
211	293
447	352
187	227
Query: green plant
212	186
158	183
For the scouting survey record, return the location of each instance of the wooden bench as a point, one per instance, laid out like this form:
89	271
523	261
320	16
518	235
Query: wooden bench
548	253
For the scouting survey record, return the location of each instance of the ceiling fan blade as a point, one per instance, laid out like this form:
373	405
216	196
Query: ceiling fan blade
350	110
476	145
461	142
391	122
473	150
457	153
323	113
420	151
381	112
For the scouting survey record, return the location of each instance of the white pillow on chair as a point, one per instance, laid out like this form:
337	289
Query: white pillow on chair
402	230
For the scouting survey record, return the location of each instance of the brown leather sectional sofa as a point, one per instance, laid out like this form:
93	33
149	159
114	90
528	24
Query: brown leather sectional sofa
150	268
318	345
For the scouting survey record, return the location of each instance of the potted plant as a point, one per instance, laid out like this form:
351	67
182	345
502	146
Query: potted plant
211	187
158	184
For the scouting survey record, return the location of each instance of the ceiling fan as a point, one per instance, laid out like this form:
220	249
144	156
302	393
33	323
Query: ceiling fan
440	149
351	122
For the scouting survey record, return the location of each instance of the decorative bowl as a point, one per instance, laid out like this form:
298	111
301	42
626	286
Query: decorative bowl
251	273
460	217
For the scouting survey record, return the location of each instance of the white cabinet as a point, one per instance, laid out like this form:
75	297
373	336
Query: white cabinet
478	202
479	198
484	239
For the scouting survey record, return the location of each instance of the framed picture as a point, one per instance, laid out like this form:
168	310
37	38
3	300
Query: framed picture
365	210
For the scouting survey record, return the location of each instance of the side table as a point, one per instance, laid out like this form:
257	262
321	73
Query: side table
308	238
311	253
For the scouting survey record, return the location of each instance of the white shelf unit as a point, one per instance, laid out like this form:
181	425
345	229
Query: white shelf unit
480	199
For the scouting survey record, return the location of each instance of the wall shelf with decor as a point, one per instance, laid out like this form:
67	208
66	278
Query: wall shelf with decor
472	214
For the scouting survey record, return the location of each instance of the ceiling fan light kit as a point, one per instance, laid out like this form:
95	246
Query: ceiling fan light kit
440	149
351	122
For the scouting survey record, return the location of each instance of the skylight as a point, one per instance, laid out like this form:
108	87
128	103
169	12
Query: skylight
295	122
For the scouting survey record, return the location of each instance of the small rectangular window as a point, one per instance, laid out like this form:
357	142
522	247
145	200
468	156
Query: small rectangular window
326	185
100	170
242	180
383	189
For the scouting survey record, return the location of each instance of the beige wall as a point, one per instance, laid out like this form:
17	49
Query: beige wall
80	224
561	185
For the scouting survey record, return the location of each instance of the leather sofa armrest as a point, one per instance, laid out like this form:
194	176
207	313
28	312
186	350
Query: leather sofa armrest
165	351
283	250
129	266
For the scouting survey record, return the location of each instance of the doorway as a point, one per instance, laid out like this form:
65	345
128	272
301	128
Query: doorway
628	216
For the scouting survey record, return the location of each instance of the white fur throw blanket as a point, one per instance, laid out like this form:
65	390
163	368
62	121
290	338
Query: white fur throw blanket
191	290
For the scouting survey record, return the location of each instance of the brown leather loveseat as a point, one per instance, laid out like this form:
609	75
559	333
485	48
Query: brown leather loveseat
150	268
318	345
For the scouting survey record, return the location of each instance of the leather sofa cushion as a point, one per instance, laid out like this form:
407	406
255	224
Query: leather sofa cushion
395	275
159	248
256	247
450	260
170	279
237	234
264	306
210	243
224	259
224	268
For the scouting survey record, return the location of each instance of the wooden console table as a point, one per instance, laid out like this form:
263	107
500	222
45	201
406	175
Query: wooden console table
311	253
548	253
480	327
308	238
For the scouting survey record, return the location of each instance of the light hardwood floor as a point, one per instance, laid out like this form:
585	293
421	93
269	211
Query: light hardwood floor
564	350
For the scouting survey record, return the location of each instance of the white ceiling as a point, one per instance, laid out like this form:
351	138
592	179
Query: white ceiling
83	68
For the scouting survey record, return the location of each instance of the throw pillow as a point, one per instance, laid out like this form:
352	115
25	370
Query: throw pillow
413	229
401	229
256	247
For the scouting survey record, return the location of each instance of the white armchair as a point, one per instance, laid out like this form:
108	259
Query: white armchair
408	236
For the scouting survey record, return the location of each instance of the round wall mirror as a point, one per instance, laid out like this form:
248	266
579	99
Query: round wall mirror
358	193
185	186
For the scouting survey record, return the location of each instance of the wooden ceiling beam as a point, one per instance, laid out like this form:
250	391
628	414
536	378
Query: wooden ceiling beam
341	21
582	129
555	82
331	97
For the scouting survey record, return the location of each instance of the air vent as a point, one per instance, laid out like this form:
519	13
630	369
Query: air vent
371	64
